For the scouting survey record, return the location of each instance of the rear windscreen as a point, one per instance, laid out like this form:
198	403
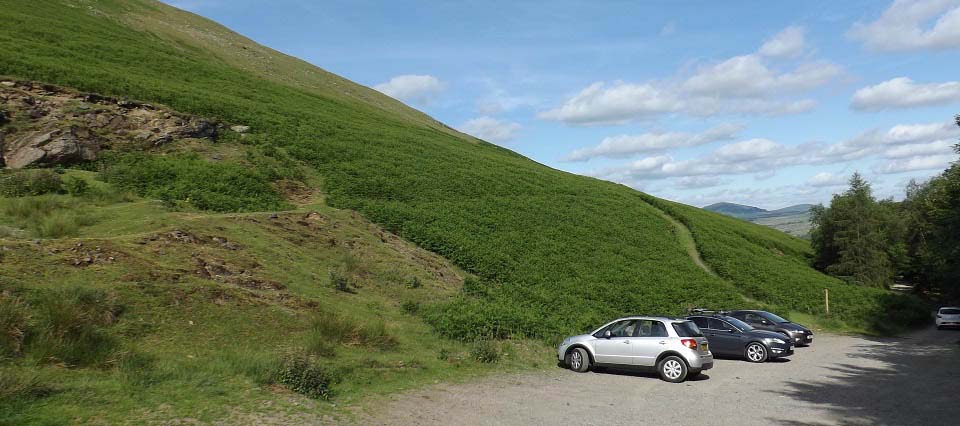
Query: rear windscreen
687	329
950	311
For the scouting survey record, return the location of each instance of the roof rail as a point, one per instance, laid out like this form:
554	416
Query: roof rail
704	311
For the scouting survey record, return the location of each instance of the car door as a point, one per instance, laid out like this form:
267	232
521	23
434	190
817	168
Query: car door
724	338
620	347
651	340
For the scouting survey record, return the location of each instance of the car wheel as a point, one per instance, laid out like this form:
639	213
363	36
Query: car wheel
672	369
756	352
578	360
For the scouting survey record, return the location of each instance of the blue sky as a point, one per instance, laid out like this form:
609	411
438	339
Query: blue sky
762	103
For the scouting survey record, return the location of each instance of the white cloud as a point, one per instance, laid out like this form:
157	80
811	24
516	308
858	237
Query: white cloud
628	145
876	141
491	129
745	84
748	150
698	182
419	89
749	76
921	149
619	102
826	179
906	25
903	92
929	162
787	43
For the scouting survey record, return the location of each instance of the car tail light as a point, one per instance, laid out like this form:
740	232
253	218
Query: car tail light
690	343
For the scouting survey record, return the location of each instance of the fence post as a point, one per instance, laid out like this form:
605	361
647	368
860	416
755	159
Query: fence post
826	299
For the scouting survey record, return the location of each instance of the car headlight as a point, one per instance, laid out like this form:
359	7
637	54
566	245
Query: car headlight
774	340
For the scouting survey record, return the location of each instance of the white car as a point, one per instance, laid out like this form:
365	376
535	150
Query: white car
948	317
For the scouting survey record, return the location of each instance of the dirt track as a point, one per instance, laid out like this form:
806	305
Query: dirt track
838	380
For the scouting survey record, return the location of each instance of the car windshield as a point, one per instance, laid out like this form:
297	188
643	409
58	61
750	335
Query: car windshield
687	329
950	311
773	317
739	324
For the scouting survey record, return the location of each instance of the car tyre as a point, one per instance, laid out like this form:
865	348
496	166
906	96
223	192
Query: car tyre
756	352
672	369
578	360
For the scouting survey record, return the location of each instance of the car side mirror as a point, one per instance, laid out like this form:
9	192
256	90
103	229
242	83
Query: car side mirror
607	334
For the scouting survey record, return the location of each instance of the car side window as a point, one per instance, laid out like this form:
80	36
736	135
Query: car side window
701	322
651	328
716	324
626	328
752	318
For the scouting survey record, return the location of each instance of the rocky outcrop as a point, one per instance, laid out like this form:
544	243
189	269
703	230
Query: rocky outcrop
43	125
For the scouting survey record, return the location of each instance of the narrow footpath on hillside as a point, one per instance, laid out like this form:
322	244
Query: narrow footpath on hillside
685	237
849	380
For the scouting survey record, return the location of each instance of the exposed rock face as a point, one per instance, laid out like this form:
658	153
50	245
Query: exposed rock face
43	125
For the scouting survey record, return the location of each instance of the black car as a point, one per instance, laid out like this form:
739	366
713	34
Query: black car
763	320
729	336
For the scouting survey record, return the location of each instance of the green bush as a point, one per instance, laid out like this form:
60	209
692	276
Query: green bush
75	185
13	325
410	307
331	328
49	216
485	351
20	183
340	281
186	178
305	376
17	386
70	327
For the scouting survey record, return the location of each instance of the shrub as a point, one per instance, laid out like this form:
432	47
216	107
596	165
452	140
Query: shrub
305	376
16	386
186	178
75	185
410	307
48	216
13	325
340	281
414	282
485	351
337	329
20	183
71	327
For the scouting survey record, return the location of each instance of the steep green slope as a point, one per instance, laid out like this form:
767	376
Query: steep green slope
555	252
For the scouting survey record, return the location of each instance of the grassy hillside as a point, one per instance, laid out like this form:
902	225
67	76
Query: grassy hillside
547	253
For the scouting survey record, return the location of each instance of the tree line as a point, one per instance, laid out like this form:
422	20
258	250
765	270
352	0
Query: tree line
879	242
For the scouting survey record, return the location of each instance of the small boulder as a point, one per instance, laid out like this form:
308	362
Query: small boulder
8	83
240	129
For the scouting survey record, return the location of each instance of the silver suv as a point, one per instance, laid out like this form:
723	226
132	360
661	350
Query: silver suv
674	347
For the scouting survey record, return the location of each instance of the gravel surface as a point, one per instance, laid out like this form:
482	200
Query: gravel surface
838	380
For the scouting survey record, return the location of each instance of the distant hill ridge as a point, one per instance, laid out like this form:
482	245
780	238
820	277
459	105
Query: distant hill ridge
794	220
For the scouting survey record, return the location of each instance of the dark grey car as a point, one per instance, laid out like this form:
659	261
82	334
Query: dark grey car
763	320
732	337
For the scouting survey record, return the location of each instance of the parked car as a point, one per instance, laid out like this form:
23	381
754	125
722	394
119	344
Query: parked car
948	316
732	337
763	320
675	348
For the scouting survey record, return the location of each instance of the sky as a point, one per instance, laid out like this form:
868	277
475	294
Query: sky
762	103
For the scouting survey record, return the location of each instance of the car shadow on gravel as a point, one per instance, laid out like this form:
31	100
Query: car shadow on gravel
643	373
902	381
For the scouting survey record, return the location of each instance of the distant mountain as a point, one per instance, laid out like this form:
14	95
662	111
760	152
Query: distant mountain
736	210
794	220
